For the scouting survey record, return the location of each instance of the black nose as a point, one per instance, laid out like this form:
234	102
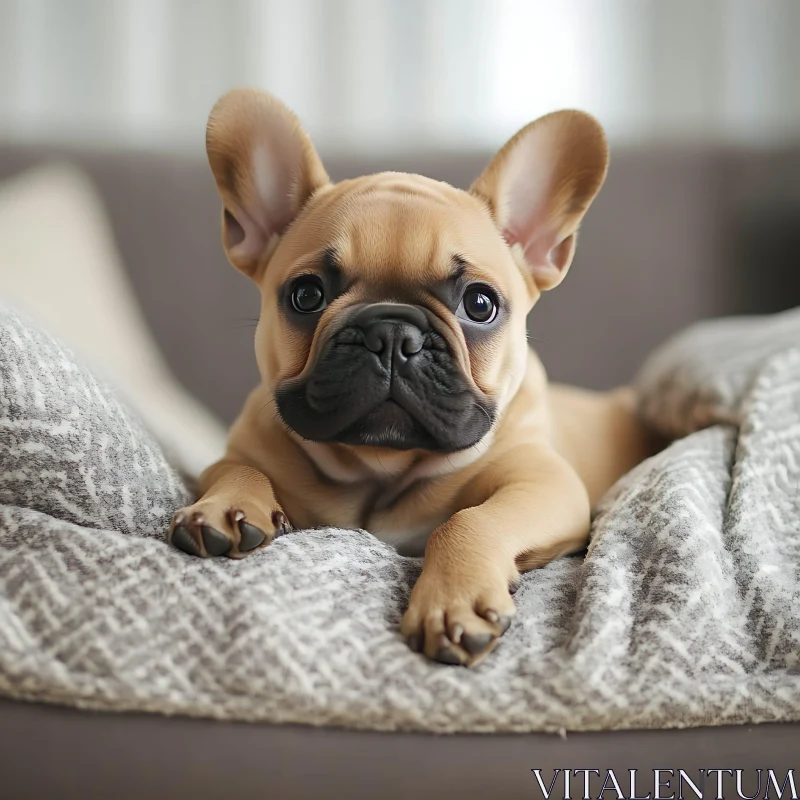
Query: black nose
399	339
392	330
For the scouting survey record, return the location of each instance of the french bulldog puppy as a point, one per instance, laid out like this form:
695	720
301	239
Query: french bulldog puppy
398	393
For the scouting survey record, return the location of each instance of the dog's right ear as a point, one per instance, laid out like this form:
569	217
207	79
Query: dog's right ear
266	169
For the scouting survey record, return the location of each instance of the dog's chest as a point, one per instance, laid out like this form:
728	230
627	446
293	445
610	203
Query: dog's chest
408	539
397	497
406	519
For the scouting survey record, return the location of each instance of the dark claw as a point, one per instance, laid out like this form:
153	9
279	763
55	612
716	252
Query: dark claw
217	544
475	643
251	537
280	523
184	540
444	655
415	642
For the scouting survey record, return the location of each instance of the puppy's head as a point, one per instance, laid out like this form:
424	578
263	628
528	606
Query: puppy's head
393	306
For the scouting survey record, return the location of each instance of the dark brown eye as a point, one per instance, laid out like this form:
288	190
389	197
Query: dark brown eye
307	296
480	304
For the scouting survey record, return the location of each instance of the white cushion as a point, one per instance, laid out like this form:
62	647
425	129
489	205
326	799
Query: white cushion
59	263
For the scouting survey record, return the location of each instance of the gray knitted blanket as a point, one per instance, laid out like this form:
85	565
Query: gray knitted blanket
686	610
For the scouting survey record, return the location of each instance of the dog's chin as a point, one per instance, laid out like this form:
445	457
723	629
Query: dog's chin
388	425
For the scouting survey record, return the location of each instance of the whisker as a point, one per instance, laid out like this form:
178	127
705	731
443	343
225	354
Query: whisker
486	413
381	464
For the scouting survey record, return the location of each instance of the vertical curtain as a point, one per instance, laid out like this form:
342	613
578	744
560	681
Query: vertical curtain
401	73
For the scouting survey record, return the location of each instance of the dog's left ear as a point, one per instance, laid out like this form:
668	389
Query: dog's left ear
539	186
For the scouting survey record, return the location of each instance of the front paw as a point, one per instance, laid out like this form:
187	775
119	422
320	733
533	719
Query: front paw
218	527
458	619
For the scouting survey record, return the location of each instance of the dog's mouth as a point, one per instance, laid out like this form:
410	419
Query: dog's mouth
388	425
356	396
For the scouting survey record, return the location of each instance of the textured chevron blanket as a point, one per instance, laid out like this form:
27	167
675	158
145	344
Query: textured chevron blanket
685	610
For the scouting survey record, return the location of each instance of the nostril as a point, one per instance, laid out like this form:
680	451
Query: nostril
374	340
411	344
393	339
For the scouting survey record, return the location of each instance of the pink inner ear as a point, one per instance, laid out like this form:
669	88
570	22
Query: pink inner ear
540	185
527	194
244	240
272	162
525	197
545	255
536	241
263	207
561	255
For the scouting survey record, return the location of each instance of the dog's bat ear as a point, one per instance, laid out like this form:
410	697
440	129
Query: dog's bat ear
266	169
539	186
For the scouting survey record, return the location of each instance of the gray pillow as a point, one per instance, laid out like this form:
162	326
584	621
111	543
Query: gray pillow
69	448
